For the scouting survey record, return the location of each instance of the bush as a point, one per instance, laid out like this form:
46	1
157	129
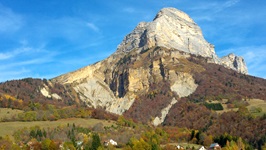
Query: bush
214	106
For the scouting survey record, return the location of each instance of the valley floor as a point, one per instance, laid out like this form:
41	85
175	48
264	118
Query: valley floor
8	128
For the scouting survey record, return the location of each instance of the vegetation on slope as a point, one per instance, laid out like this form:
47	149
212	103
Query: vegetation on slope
218	82
19	93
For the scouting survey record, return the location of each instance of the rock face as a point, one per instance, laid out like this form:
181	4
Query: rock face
235	62
171	28
158	120
184	84
152	61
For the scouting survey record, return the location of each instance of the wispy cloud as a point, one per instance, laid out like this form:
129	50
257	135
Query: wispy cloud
129	10
24	61
73	29
10	21
214	6
93	27
230	3
210	10
226	5
4	56
14	53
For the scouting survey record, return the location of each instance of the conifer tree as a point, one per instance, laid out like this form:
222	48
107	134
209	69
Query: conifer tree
96	142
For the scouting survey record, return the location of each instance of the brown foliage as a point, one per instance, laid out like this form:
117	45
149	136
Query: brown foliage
149	105
238	124
100	113
189	115
28	90
218	82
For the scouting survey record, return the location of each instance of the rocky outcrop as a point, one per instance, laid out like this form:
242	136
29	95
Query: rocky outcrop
159	120
183	84
45	92
235	62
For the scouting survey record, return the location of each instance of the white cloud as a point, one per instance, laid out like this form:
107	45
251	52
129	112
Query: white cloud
10	21
93	27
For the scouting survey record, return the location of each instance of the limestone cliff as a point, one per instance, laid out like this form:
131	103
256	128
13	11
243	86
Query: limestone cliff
171	28
235	62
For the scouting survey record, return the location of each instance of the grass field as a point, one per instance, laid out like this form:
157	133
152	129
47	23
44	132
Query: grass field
8	113
253	104
8	128
257	103
226	109
223	102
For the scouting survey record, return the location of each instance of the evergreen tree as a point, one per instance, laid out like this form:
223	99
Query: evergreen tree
44	133
32	133
96	142
192	134
39	133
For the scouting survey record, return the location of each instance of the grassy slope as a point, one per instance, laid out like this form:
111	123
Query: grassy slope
8	112
252	103
256	103
7	128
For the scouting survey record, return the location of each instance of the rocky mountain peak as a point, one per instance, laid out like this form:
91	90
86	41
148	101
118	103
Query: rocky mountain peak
172	29
173	13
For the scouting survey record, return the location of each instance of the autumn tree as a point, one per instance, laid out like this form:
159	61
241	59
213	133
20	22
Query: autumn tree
46	144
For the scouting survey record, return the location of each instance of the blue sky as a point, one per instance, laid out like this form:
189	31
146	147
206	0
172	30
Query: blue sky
43	39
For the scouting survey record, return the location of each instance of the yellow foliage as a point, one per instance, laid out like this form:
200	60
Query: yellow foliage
233	145
9	97
6	96
20	101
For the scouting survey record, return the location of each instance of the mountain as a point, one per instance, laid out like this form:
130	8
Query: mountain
156	65
163	73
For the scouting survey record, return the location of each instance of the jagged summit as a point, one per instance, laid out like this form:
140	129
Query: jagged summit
173	12
174	29
171	28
